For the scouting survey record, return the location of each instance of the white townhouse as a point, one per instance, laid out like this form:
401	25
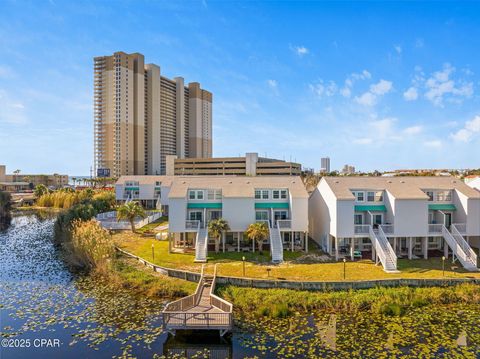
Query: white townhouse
393	217
475	183
192	201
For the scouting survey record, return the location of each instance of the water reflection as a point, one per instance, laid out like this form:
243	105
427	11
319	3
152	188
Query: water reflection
190	344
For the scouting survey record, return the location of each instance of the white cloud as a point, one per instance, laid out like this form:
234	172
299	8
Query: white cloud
346	91
433	143
471	129
300	50
383	128
411	94
272	83
413	130
370	97
398	49
440	85
367	99
321	89
381	88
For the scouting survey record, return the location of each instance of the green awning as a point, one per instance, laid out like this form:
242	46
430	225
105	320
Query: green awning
204	205
133	188
271	205
442	207
371	208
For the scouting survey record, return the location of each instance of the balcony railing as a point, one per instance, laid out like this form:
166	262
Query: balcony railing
362	229
387	229
435	228
284	224
192	225
460	227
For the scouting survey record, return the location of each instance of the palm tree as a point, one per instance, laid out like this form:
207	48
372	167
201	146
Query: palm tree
257	232
130	211
216	228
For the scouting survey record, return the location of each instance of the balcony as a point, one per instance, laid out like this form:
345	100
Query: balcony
362	230
435	229
388	229
192	225
461	228
284	224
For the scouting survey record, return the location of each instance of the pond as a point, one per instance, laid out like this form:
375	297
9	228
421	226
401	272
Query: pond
46	312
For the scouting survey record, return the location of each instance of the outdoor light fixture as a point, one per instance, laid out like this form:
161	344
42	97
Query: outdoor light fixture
153	253
243	260
443	265
344	266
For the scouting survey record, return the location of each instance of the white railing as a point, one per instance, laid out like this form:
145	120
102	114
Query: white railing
383	249
435	228
387	229
276	245
201	244
188	301
362	229
192	225
388	248
466	261
284	223
470	255
460	227
108	220
216	301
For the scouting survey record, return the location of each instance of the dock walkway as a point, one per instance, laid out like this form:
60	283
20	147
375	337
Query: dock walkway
202	310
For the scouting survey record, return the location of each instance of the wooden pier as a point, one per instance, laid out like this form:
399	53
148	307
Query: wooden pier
202	310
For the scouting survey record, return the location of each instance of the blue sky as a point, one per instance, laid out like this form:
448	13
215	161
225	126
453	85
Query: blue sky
377	85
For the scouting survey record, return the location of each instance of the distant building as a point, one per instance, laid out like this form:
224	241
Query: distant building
348	170
249	165
18	182
325	165
141	116
474	182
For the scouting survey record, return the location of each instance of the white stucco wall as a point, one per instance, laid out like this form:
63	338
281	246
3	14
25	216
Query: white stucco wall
239	212
177	214
299	214
473	221
411	217
345	223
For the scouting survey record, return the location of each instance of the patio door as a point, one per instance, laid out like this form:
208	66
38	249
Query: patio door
448	220
377	219
358	218
211	215
280	215
195	216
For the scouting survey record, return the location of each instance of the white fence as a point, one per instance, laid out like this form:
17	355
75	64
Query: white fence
108	220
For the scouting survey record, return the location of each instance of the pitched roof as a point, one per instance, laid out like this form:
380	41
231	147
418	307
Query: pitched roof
231	186
399	187
237	186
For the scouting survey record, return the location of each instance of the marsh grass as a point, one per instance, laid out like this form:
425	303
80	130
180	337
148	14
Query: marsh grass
387	301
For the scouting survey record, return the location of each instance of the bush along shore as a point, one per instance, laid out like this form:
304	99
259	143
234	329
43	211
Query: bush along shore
88	248
279	303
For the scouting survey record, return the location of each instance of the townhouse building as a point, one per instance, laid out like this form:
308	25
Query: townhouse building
192	201
392	217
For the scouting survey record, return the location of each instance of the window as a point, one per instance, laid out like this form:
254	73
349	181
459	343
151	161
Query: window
199	194
360	196
157	193
258	194
276	194
191	194
379	196
158	183
358	219
261	215
283	194
430	195
444	196
265	194
370	196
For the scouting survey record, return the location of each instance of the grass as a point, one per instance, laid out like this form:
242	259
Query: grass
230	264
132	275
388	301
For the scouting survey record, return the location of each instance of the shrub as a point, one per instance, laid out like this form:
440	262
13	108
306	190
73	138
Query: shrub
92	246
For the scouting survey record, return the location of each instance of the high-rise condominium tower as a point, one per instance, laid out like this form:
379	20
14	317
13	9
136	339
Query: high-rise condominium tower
141	116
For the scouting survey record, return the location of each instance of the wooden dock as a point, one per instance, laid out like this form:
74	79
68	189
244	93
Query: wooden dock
202	310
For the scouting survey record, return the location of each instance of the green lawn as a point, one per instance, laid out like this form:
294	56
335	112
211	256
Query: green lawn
256	265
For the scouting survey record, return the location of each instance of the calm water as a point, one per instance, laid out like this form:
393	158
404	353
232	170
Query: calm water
41	299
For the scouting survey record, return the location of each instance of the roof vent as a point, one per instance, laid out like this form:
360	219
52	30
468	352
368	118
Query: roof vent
337	181
184	182
402	181
389	181
454	181
230	182
248	182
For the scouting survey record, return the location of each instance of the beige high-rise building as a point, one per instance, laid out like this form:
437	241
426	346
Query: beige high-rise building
141	116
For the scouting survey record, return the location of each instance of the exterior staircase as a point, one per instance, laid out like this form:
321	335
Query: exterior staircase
276	245
460	248
384	250
201	245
